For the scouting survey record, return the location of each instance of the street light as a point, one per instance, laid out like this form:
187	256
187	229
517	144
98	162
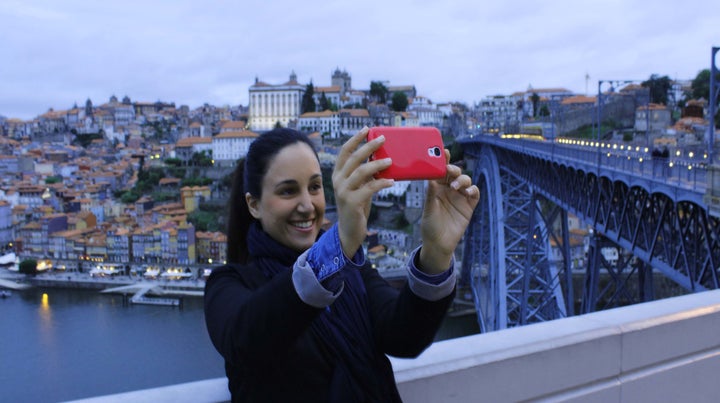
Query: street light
714	93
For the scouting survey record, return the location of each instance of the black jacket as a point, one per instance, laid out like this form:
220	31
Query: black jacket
262	329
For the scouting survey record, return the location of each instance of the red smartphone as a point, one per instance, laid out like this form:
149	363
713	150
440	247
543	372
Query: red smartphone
416	152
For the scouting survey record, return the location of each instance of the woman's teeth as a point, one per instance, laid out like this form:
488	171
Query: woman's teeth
304	224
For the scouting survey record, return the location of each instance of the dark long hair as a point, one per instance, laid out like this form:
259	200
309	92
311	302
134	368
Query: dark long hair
248	178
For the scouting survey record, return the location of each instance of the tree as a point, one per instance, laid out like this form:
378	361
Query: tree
201	159
174	162
28	266
129	197
399	101
456	152
205	220
53	179
378	91
700	86
308	102
544	111
535	98
659	87
324	104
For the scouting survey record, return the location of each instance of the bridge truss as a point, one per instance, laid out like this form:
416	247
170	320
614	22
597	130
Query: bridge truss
523	210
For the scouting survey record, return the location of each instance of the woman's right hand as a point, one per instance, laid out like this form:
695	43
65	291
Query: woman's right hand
355	186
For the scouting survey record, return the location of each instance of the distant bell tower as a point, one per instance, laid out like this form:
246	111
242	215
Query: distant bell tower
88	107
341	79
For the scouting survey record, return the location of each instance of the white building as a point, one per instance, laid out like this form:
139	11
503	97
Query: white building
228	147
273	104
325	122
185	148
332	94
427	114
353	120
544	95
656	116
498	111
334	124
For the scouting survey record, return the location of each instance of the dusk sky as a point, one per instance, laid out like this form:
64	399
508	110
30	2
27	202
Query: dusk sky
56	53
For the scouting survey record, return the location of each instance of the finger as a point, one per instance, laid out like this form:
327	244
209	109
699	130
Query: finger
473	192
453	171
356	178
461	182
365	173
364	193
351	145
356	160
377	185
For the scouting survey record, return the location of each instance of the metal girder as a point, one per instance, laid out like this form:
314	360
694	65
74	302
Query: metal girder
507	249
675	236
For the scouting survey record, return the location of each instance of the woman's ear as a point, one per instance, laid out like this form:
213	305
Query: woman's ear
252	204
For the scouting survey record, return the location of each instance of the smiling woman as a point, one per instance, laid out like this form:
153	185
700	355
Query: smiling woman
298	314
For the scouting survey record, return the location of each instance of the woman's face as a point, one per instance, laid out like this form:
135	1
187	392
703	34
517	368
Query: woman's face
291	207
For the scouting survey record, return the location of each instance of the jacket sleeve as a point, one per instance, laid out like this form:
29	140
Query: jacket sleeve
244	314
404	324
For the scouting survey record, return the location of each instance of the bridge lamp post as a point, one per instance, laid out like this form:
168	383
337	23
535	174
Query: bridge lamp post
714	95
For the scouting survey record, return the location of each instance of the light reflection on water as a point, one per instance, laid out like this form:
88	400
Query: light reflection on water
61	345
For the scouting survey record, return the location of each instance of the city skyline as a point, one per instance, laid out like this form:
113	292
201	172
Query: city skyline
194	52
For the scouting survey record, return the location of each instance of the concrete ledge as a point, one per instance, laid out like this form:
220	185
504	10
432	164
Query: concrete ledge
665	350
661	351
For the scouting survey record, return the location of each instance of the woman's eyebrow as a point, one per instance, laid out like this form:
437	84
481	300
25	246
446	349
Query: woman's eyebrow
294	182
285	183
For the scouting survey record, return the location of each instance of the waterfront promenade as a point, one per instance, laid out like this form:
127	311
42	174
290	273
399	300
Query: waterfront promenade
165	287
391	269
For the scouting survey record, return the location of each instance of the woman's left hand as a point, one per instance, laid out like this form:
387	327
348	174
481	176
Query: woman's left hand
449	205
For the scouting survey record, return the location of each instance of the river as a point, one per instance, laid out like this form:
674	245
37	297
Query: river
64	344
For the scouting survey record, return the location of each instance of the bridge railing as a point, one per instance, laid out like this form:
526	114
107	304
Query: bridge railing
688	172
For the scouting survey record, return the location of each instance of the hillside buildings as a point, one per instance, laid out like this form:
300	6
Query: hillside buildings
61	198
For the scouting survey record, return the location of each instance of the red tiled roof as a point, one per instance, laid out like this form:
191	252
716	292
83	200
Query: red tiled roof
237	134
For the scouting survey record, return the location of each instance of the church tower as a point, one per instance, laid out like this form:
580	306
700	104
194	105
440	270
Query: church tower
342	80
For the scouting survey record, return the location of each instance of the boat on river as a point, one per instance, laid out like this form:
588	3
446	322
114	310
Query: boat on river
9	261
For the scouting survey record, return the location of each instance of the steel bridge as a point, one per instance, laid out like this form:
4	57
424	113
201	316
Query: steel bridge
651	207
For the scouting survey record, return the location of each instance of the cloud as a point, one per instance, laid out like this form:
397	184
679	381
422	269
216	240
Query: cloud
192	52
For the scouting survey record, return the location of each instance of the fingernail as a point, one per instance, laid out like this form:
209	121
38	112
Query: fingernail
380	138
455	185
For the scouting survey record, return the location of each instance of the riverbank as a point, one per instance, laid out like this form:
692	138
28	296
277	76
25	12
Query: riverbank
74	280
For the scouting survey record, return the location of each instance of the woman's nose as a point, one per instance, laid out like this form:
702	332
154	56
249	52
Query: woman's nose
305	203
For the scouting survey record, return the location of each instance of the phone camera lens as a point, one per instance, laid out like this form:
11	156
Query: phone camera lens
436	151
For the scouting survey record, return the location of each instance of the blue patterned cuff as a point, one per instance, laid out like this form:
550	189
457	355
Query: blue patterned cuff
310	290
326	257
